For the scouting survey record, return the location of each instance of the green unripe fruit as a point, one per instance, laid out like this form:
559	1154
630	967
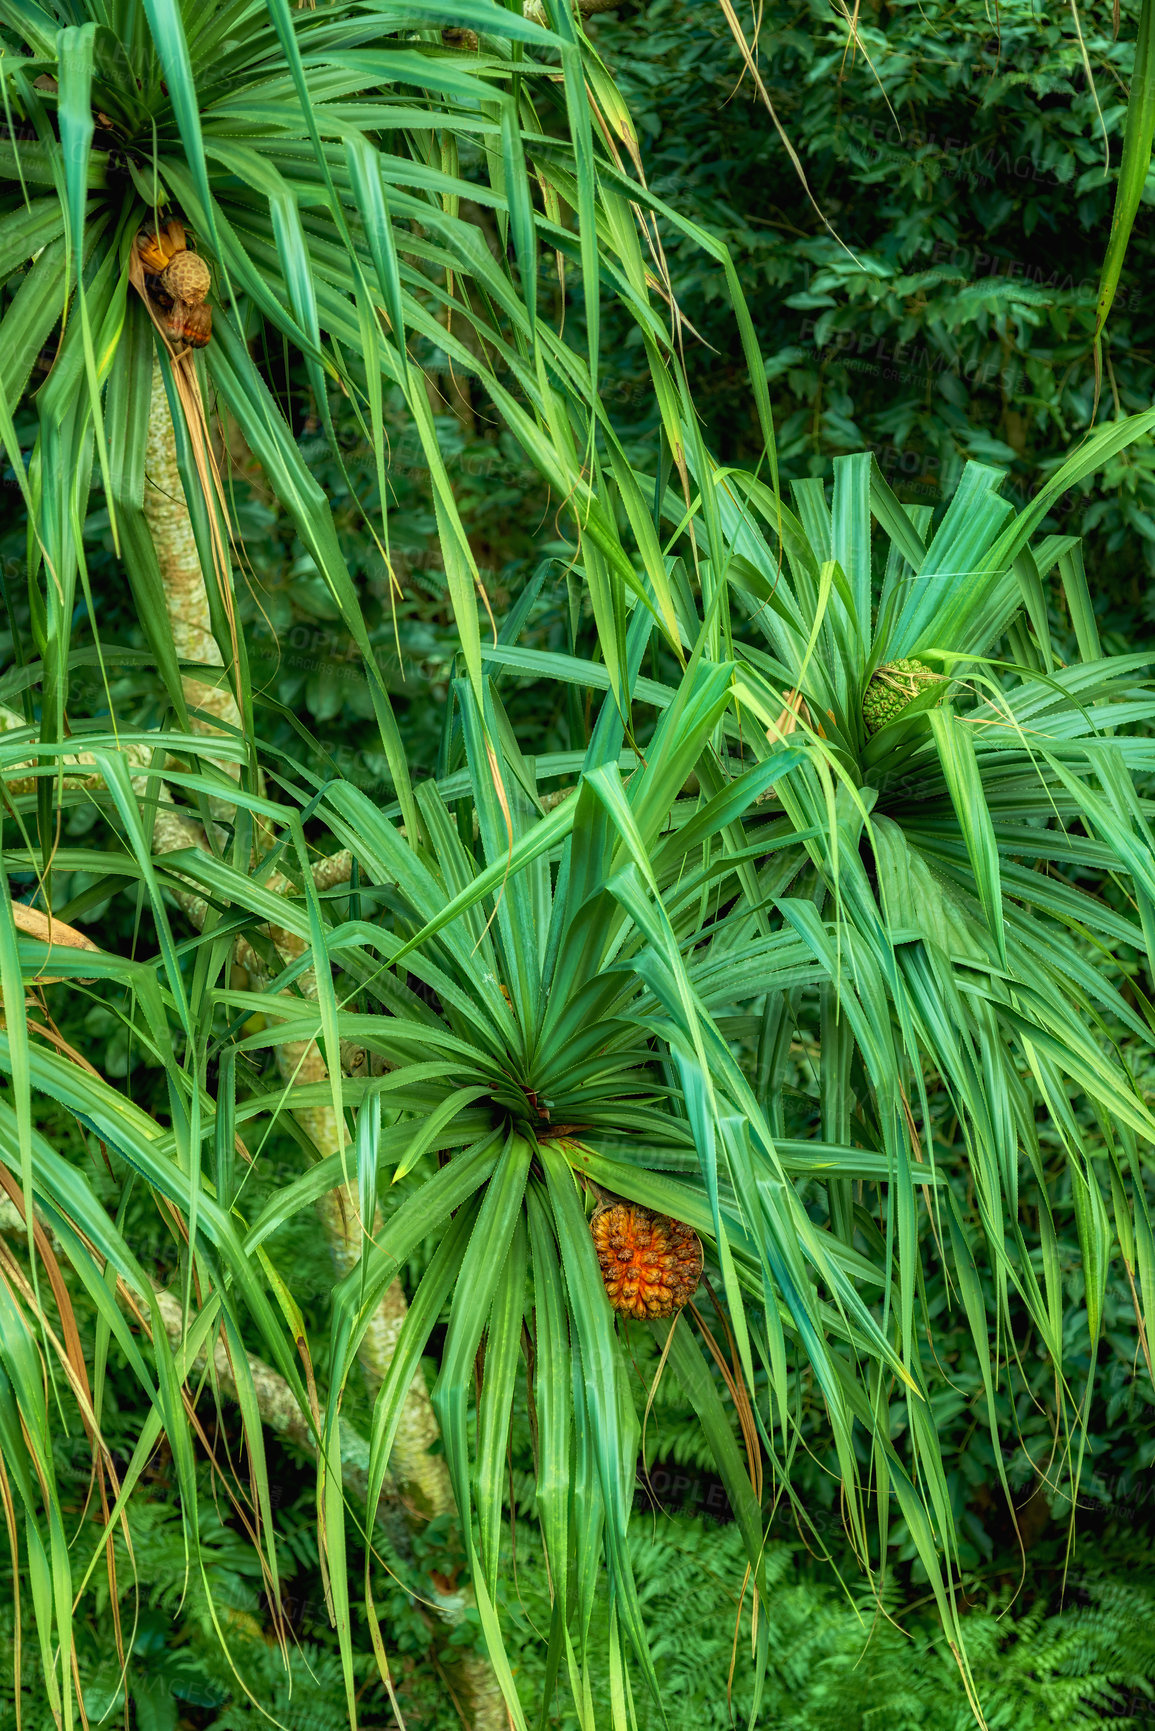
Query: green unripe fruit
894	686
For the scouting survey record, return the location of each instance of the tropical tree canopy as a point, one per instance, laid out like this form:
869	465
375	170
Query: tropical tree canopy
359	190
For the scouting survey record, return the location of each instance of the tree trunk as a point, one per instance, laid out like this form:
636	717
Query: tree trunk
186	598
422	1477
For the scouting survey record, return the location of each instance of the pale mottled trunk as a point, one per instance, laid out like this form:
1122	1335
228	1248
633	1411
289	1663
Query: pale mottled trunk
277	1404
421	1477
170	526
279	1409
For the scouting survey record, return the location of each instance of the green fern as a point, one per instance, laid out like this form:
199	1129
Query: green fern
835	1665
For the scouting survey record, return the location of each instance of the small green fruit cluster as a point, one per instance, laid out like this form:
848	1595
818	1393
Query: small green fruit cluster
894	686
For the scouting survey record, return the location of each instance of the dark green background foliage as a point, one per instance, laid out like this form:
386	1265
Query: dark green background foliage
948	317
961	169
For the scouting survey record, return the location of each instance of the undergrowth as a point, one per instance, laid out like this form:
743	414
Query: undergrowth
837	1663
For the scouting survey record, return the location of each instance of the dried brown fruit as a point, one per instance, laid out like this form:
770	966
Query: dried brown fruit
186	278
192	325
650	1264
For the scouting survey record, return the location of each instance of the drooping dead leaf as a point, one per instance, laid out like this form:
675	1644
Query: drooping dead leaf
54	933
37	925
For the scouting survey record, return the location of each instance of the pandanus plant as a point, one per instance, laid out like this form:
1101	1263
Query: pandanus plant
347	184
519	992
565	1022
976	883
185	190
971	843
572	1008
537	1003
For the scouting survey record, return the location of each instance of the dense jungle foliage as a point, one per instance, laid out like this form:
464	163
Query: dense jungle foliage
941	314
958	157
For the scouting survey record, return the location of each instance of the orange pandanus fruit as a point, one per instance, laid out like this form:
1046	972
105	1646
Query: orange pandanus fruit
650	1264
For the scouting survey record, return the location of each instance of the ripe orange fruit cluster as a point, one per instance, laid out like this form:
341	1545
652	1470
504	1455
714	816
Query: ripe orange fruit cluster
650	1264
